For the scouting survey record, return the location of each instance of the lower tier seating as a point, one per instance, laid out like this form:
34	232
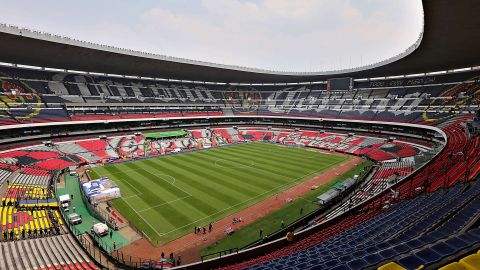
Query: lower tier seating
56	252
432	225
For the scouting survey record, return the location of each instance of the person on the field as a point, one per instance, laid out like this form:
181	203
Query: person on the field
204	230
210	227
195	230
261	233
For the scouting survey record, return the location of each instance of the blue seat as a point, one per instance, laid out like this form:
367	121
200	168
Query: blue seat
414	243
383	245
410	262
438	234
444	249
428	256
317	267
371	249
340	267
388	253
409	234
402	248
359	253
426	239
457	243
373	258
326	257
358	264
279	266
346	258
302	265
396	241
475	231
470	237
331	263
314	261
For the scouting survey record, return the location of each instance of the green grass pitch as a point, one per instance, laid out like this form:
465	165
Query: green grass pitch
166	197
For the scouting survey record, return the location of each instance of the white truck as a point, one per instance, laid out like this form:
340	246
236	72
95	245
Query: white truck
72	170
100	229
65	202
75	218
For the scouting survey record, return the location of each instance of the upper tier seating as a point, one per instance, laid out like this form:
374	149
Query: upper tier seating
32	96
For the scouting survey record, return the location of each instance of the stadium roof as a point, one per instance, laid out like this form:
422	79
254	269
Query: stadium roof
449	40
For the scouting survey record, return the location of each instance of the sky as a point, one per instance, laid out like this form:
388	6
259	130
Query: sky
281	35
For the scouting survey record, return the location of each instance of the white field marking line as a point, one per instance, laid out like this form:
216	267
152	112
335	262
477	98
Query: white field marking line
239	166
156	174
126	182
158	205
240	203
148	223
131	196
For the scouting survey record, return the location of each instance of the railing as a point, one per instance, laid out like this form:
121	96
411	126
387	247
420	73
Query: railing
219	254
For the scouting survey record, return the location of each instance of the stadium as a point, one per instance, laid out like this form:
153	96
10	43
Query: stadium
119	159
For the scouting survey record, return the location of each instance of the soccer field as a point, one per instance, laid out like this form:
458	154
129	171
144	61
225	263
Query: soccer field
166	197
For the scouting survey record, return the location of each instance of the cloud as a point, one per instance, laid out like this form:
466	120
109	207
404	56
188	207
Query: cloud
301	35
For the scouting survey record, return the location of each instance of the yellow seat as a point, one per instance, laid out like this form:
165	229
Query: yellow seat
35	219
453	266
57	214
4	215
40	220
9	218
471	262
391	266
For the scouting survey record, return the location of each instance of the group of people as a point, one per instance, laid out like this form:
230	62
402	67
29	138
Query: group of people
24	234
237	220
199	230
171	259
34	233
